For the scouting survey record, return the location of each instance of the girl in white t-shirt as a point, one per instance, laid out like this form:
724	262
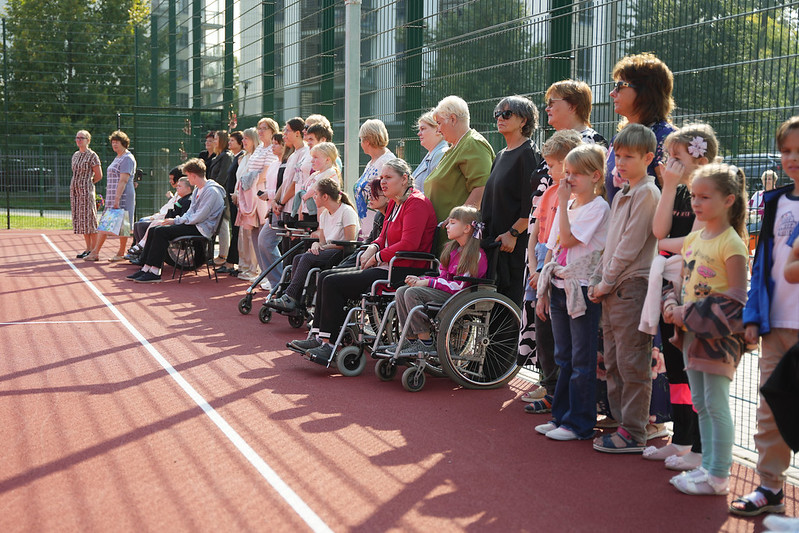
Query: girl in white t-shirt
323	162
575	247
338	221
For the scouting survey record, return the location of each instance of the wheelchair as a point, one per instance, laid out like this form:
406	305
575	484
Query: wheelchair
371	320
476	334
303	233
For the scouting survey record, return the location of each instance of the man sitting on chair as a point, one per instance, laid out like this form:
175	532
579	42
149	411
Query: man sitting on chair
202	218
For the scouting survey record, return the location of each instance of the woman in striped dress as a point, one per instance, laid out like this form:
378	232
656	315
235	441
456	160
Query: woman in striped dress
86	171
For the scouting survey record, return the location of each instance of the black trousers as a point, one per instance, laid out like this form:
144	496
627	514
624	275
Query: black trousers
510	272
335	288
155	249
233	251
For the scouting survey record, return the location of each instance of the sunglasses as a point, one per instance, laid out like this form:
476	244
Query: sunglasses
504	114
621	84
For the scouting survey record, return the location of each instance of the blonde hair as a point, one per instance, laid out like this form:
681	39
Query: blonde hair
686	135
429	119
318	119
728	180
85	134
561	143
374	132
329	151
252	135
271	123
470	253
453	105
589	159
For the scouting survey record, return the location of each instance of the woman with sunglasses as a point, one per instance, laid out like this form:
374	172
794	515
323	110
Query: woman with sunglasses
508	192
641	95
461	175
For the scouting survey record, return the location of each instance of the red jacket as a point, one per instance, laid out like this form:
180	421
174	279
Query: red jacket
411	231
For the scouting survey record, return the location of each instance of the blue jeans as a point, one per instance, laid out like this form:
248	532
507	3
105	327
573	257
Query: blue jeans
576	344
267	253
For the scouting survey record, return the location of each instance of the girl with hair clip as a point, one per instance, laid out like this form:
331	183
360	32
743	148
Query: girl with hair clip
708	318
338	221
323	162
575	247
462	256
689	148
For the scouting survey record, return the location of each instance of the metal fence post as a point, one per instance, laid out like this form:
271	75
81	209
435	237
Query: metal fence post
5	133
40	184
560	40
352	89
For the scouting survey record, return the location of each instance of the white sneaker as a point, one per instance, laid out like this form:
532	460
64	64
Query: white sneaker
265	285
562	433
546	428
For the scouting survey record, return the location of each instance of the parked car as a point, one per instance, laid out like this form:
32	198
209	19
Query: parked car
754	165
17	175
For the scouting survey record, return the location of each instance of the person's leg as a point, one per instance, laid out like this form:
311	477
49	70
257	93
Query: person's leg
774	456
633	357
615	385
584	330
301	265
247	261
400	306
717	405
337	289
156	248
88	240
98	245
413	296
224	239
268	248
259	258
545	353
561	332
123	247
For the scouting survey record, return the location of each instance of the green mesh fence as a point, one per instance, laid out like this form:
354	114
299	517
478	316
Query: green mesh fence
193	65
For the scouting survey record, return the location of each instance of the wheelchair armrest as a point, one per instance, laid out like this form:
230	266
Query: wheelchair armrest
431	274
347	243
415	255
309	240
474	281
307	224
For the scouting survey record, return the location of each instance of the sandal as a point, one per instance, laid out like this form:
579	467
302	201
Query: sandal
533	395
537	407
701	485
758	502
685	462
618	442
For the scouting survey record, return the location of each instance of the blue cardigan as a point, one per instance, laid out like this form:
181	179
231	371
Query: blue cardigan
758	305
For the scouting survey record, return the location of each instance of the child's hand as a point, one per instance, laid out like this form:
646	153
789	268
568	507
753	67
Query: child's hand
411	280
542	308
673	172
677	315
600	290
591	294
564	191
534	280
751	334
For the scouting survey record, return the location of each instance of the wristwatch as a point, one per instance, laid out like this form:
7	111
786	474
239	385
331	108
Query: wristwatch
513	232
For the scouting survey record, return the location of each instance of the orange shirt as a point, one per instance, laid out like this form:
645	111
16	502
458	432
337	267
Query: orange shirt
545	212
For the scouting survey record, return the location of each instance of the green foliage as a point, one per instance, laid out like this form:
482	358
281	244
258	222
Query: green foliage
731	62
71	66
482	51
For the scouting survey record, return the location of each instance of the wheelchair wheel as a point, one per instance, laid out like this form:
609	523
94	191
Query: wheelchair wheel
245	305
296	321
350	361
265	315
412	379
385	370
350	337
478	339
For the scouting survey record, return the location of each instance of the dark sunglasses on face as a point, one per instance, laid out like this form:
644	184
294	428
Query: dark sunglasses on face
621	84
504	114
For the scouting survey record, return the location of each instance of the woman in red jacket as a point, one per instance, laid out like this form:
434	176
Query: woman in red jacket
409	227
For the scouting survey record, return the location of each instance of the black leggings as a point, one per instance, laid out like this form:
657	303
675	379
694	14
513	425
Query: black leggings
335	288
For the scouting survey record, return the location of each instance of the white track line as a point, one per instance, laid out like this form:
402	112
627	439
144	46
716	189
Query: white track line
291	497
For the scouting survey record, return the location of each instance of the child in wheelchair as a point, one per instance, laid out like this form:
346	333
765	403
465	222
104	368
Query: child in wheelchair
462	256
338	221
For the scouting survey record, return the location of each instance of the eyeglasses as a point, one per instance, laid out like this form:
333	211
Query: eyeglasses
504	114
621	84
80	138
262	128
552	101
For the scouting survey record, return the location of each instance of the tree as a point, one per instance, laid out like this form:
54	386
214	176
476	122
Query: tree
735	67
71	66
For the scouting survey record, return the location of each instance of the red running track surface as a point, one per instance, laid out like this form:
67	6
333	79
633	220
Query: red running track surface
97	436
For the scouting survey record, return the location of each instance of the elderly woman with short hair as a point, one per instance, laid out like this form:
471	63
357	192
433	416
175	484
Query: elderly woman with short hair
86	171
119	191
461	175
432	141
508	192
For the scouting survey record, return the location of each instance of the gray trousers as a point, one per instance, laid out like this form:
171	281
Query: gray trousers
409	297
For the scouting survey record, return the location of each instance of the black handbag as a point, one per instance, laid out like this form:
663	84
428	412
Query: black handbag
781	392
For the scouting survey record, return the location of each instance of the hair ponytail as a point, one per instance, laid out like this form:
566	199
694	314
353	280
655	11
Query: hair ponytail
469	260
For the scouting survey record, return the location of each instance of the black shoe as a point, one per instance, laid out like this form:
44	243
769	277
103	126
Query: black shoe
222	270
138	261
148	277
233	272
307	344
321	355
135	276
83	254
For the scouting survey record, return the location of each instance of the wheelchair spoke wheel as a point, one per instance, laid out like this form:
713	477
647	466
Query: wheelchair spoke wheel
413	379
350	361
478	339
385	370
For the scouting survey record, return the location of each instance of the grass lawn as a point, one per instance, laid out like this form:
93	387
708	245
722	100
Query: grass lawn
34	222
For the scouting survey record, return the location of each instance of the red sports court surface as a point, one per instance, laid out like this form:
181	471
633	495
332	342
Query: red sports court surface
159	407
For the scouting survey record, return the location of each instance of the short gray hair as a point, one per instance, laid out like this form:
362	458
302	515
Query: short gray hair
454	105
523	108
